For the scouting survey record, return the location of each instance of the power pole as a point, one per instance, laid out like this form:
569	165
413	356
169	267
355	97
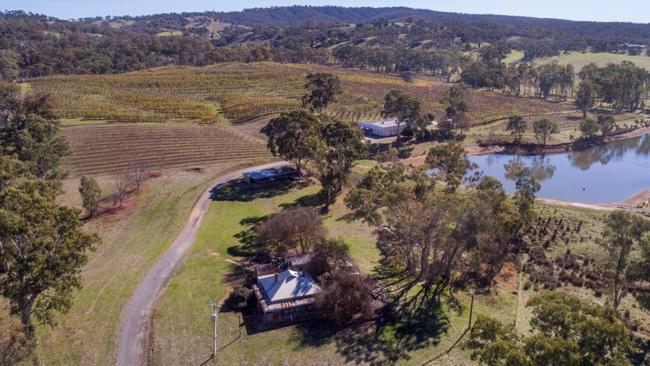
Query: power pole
215	317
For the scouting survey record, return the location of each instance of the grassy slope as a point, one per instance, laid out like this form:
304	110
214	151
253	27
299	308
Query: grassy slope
585	243
181	321
579	59
132	240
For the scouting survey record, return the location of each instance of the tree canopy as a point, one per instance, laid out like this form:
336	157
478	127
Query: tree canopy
432	240
322	90
566	331
42	244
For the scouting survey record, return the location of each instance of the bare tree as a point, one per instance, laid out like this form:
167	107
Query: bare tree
138	176
292	229
121	187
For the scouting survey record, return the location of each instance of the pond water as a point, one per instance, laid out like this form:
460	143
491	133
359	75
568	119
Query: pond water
601	174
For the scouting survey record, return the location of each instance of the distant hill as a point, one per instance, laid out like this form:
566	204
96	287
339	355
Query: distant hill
37	45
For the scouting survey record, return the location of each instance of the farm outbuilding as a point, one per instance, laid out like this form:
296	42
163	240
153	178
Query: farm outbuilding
271	176
382	128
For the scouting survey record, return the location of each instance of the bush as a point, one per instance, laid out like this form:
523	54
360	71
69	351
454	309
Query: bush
239	298
293	229
345	298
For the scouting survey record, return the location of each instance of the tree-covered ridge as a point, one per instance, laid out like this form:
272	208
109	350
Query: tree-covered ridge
37	45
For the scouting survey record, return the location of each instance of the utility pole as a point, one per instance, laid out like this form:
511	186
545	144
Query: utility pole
214	316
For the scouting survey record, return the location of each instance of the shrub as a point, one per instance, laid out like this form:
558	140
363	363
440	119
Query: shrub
293	229
345	298
239	298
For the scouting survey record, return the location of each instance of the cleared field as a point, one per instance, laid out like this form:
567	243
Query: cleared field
111	148
514	57
133	238
242	92
182	325
580	59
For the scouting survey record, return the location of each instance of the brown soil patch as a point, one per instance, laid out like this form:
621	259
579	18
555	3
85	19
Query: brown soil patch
508	278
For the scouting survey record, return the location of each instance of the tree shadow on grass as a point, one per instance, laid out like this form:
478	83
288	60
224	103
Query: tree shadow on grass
238	190
248	245
310	200
385	341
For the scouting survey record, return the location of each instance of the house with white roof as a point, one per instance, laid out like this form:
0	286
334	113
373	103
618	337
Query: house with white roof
286	296
383	128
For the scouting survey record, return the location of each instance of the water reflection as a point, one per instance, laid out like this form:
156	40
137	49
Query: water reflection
600	174
603	154
540	168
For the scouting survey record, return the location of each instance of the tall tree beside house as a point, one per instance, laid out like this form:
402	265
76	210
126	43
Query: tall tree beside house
346	295
405	109
544	128
623	234
322	90
294	136
455	107
342	145
295	229
330	146
90	194
586	96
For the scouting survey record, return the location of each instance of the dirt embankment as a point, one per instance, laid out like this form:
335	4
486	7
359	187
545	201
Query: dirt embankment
529	149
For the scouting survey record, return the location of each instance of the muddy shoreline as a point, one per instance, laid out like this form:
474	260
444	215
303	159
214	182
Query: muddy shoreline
534	149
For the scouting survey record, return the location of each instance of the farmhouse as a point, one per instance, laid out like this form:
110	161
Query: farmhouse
268	177
382	128
285	296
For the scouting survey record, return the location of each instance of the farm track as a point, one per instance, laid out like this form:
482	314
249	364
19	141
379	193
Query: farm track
115	148
134	333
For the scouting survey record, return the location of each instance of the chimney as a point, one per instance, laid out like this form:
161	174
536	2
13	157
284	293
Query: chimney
276	277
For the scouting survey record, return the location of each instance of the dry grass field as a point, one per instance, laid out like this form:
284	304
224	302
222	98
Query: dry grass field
581	59
242	92
133	238
113	148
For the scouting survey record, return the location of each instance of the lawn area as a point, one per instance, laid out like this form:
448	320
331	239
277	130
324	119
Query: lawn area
581	59
182	325
133	238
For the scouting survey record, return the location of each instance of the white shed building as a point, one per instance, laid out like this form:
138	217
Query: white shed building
382	128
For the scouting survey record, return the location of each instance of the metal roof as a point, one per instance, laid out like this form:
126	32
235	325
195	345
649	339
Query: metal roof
268	173
287	285
384	123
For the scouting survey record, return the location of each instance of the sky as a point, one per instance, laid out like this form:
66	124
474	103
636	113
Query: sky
597	10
